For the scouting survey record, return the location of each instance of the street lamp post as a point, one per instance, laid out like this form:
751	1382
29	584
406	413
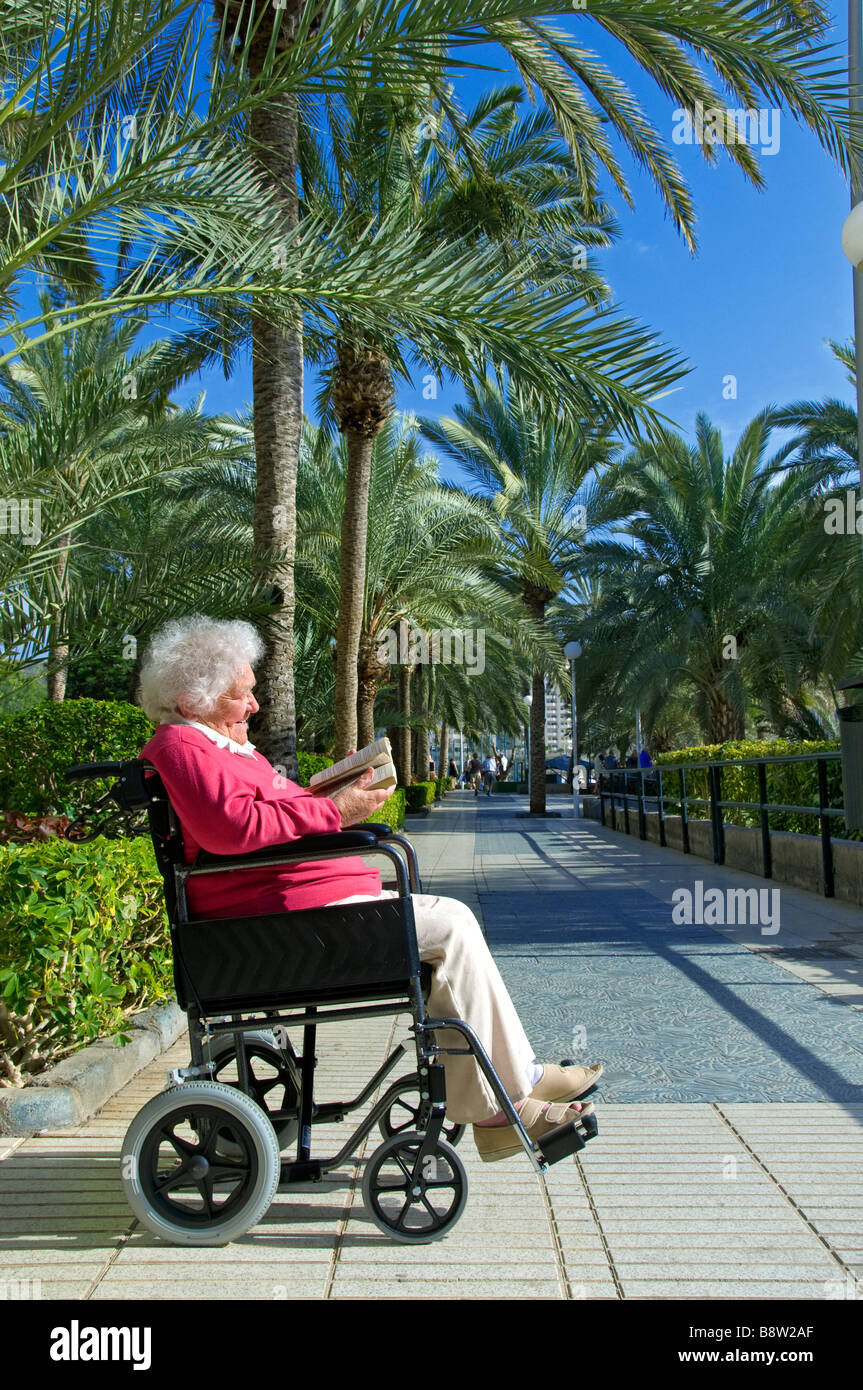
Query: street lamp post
852	245
572	651
528	700
852	231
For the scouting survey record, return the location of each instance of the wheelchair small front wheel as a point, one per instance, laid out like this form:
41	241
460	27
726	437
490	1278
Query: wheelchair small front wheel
200	1164
404	1114
409	1203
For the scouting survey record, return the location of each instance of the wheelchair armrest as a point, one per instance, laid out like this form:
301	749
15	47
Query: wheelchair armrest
305	847
82	771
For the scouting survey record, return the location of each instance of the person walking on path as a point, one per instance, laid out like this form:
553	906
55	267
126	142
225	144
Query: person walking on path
475	771
489	772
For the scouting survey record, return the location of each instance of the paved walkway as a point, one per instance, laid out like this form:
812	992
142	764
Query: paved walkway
728	1163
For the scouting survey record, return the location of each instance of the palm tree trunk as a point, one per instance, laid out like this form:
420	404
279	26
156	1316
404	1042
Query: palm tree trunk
423	754
443	761
535	601
403	763
277	384
59	648
135	675
726	722
368	689
352	584
537	745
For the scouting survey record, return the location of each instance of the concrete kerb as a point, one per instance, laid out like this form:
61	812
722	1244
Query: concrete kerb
77	1087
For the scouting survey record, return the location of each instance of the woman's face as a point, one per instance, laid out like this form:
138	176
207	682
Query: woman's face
233	709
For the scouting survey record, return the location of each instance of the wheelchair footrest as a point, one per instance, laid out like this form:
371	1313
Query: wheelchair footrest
568	1139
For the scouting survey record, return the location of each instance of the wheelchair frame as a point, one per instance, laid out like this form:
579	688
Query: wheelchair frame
321	965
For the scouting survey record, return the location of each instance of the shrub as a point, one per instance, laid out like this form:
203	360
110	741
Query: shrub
309	764
392	812
789	784
419	795
37	745
84	942
441	788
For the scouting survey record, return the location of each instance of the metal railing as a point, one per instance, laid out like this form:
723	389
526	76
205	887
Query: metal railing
615	785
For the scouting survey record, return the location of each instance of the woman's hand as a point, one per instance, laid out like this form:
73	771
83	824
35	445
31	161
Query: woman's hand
355	804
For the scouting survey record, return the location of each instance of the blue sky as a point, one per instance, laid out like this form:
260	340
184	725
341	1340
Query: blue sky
768	285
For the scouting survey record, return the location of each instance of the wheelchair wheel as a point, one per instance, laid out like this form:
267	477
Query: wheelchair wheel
200	1164
404	1113
414	1212
270	1083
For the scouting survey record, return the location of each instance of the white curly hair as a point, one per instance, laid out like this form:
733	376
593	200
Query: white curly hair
195	659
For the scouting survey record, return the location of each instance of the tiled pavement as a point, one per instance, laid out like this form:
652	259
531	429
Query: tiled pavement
728	1163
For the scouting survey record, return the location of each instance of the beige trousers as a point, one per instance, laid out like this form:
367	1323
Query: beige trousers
466	984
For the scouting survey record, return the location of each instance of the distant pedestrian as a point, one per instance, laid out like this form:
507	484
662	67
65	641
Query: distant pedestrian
632	758
452	773
489	772
610	761
645	759
475	771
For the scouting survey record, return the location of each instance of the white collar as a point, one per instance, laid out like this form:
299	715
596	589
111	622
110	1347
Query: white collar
221	740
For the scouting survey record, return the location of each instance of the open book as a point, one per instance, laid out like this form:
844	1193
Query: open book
378	755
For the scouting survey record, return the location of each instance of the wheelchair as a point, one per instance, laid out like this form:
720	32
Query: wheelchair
202	1161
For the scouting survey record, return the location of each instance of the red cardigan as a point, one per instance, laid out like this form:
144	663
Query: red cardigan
228	803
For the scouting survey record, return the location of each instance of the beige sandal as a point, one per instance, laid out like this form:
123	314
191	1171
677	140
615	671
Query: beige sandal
565	1082
539	1119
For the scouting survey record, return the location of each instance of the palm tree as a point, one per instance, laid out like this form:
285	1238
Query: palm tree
85	421
824	446
432	561
534	466
545	58
376	179
183	543
706	596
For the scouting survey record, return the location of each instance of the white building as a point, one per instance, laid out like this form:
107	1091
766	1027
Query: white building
558	721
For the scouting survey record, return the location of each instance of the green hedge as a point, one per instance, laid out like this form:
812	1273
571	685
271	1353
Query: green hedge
309	764
37	745
419	795
83	943
392	812
793	784
441	788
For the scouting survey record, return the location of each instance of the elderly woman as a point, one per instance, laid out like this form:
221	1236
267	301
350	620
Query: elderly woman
197	685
